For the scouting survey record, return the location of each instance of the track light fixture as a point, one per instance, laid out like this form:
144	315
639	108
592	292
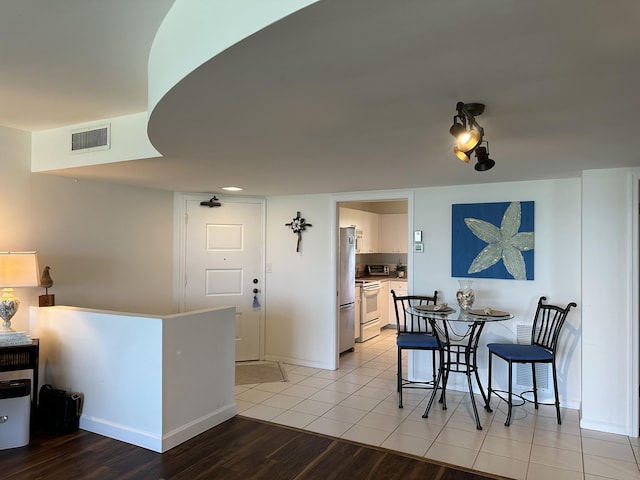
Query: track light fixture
469	135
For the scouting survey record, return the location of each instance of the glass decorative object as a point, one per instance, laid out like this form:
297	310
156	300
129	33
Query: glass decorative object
465	294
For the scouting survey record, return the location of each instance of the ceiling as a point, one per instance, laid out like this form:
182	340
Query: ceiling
344	95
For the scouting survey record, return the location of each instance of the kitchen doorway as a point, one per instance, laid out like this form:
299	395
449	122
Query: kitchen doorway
384	249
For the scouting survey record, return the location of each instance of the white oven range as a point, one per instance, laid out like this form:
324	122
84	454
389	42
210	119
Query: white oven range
369	309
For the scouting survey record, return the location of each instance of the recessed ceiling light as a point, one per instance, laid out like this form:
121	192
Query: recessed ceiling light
232	189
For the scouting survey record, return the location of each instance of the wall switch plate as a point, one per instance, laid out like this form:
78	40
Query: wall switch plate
417	236
418	247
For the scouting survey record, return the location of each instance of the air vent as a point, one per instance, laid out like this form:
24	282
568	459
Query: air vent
91	139
523	370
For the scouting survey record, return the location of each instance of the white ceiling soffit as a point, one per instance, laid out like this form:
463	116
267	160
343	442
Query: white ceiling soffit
360	94
352	95
193	32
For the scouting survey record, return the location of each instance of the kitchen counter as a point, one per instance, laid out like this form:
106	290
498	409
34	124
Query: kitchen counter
380	278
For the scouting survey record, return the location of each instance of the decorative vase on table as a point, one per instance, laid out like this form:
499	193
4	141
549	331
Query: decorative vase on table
465	294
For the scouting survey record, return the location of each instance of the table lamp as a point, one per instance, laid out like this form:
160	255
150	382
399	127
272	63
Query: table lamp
17	269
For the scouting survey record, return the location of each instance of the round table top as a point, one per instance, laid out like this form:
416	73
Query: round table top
444	311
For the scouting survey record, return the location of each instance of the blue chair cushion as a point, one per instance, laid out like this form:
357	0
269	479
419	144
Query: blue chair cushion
416	340
514	352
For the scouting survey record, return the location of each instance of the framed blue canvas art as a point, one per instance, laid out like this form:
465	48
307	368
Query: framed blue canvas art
493	240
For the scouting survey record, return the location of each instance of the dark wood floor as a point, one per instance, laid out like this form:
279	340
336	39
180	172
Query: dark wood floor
239	449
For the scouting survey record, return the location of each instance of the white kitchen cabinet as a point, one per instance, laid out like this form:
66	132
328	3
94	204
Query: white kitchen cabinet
393	233
367	228
401	290
374	229
369	224
384	303
387	233
402	227
358	221
351	218
346	218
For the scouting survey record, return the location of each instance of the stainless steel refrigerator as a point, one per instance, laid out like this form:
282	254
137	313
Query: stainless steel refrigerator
347	288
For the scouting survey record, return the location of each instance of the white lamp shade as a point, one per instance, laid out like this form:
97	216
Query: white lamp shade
19	269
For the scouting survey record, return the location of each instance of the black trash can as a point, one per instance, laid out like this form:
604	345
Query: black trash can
15	413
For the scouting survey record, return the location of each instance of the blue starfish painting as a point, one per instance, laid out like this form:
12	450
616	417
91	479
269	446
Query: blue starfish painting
493	240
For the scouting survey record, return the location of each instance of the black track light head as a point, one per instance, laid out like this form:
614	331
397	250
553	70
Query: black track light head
484	162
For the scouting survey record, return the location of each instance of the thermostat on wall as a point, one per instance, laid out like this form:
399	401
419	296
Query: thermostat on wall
417	236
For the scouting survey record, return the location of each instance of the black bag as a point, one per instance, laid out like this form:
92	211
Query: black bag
59	410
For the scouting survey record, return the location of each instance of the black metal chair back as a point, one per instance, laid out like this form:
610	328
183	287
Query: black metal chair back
548	323
406	322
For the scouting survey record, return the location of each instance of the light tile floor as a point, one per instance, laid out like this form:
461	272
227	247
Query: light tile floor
359	402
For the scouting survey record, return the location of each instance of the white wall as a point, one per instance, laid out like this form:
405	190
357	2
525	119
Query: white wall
17	206
109	246
15	146
115	361
198	372
609	380
300	305
148	380
557	266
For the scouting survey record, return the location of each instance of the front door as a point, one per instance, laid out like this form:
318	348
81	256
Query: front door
223	265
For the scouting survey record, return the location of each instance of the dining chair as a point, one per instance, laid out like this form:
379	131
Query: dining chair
546	328
414	333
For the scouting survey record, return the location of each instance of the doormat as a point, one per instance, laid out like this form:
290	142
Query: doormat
259	372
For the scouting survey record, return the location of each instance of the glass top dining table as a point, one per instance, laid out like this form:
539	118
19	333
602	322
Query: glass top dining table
458	332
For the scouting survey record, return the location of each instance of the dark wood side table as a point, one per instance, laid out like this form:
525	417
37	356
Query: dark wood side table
23	357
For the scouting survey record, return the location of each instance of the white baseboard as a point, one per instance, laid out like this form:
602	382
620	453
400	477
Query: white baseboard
607	427
192	429
148	440
153	440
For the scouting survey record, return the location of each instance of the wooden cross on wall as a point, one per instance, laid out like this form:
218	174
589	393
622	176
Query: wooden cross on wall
298	225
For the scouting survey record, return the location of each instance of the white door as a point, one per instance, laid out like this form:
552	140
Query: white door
223	265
